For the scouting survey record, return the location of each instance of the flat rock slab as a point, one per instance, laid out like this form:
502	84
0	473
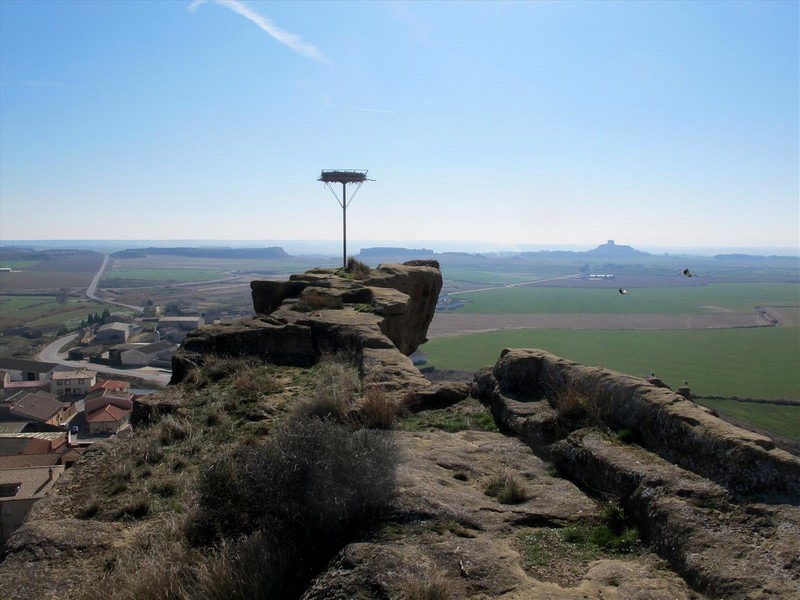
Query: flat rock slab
448	532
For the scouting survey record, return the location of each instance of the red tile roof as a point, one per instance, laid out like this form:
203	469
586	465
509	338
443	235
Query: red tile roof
107	414
111	385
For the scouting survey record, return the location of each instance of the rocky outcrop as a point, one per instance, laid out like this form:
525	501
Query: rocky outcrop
446	526
665	422
720	503
402	296
379	320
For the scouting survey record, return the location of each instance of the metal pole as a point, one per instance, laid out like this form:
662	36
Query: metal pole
344	225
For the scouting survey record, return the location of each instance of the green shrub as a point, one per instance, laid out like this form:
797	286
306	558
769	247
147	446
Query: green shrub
613	534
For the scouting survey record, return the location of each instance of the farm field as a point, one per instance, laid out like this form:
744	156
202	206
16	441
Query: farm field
749	362
41	311
781	419
119	277
55	270
697	299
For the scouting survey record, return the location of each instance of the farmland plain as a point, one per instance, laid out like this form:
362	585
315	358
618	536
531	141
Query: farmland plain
759	362
669	299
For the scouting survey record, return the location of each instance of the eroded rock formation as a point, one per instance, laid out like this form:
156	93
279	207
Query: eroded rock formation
381	319
719	502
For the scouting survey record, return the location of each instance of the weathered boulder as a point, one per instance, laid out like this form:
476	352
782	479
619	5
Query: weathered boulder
262	337
666	423
422	285
268	295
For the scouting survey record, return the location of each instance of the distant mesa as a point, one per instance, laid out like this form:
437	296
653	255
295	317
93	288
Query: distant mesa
271	252
400	252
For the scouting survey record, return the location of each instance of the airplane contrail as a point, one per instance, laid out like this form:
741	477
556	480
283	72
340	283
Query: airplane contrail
295	42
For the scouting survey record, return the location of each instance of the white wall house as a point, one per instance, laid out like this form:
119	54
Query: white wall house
72	383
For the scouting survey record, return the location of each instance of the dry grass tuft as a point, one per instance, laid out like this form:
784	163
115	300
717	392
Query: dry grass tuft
376	410
507	489
316	299
433	586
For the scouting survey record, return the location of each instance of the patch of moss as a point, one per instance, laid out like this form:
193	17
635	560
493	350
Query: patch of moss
467	415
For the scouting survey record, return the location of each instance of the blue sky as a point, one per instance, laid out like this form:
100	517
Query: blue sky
654	124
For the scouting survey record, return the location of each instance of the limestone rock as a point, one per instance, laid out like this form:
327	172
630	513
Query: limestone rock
668	424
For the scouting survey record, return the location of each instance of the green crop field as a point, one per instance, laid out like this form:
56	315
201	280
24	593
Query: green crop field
119	276
781	419
757	362
505	275
38	311
17	264
655	300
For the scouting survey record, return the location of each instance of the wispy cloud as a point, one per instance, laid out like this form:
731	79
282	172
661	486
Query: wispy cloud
39	83
377	110
295	42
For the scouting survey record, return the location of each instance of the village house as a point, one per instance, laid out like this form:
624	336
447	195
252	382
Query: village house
44	442
26	370
110	385
20	488
10	388
108	413
142	355
40	407
112	333
175	328
72	383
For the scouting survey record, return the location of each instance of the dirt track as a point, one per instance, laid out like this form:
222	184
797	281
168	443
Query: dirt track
449	325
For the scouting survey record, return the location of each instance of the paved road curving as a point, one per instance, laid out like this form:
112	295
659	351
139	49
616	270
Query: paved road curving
52	354
90	291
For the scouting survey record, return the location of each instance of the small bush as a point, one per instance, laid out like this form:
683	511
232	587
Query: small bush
356	269
316	299
507	489
283	507
570	402
253	566
312	476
